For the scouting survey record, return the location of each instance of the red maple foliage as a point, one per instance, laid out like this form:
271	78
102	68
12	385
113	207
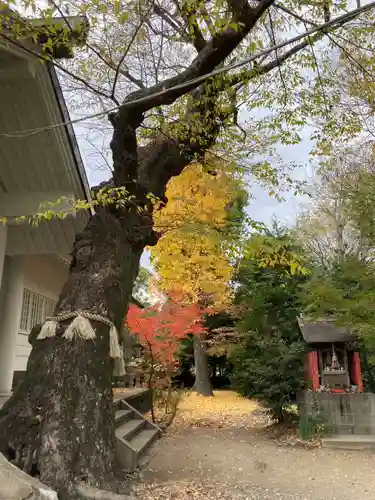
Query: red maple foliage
160	329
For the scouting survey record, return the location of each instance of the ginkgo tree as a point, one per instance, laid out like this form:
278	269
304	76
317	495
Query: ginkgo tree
195	252
166	80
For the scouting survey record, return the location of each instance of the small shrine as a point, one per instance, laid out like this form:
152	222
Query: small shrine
331	364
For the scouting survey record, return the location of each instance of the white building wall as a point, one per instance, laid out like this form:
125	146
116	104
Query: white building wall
10	299
3	244
45	275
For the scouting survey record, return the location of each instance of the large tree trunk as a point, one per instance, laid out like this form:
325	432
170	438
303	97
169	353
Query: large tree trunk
202	383
60	420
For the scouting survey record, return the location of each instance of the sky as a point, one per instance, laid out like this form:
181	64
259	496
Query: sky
264	208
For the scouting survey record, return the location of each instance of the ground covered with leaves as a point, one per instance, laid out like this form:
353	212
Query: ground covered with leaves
223	448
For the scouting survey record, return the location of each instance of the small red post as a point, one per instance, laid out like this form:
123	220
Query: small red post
356	371
313	369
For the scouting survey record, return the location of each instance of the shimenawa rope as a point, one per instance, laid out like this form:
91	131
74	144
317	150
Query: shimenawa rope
81	328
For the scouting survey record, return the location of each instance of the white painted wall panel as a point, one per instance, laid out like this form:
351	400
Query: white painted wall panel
45	275
23	350
21	363
3	244
23	340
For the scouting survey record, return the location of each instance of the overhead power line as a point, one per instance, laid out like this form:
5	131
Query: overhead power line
196	81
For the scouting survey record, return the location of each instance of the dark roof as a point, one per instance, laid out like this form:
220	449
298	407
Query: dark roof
41	31
70	133
324	331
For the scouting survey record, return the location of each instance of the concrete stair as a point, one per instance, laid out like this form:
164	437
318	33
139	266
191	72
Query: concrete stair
134	434
350	442
4	398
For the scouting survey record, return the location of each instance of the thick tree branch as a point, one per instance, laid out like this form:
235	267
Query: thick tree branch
124	147
214	53
239	7
127	119
189	13
166	157
207	19
190	33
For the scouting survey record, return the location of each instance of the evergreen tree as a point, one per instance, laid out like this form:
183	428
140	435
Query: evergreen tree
268	363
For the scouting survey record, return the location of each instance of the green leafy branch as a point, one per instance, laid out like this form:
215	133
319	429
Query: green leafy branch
117	197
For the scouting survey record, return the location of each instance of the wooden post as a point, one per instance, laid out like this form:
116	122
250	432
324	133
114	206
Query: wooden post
356	371
313	369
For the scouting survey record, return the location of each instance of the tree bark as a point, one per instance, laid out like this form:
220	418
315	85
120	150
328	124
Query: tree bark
202	383
60	420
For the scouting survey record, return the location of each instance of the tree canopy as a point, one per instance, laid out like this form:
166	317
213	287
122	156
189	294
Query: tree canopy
194	253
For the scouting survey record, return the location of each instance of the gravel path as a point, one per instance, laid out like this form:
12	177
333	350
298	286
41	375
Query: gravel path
216	450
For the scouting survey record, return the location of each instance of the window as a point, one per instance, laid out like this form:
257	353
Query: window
35	309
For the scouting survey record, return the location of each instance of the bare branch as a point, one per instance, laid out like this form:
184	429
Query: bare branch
345	51
217	49
108	63
189	16
173	23
318	74
122	59
168	91
247	75
91	47
273	40
131	78
167	159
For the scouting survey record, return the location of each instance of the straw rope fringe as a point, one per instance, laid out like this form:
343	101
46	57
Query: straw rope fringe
81	328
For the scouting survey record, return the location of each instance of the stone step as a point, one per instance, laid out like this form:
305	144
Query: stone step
128	429
140	442
130	452
134	434
350	442
122	416
4	398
